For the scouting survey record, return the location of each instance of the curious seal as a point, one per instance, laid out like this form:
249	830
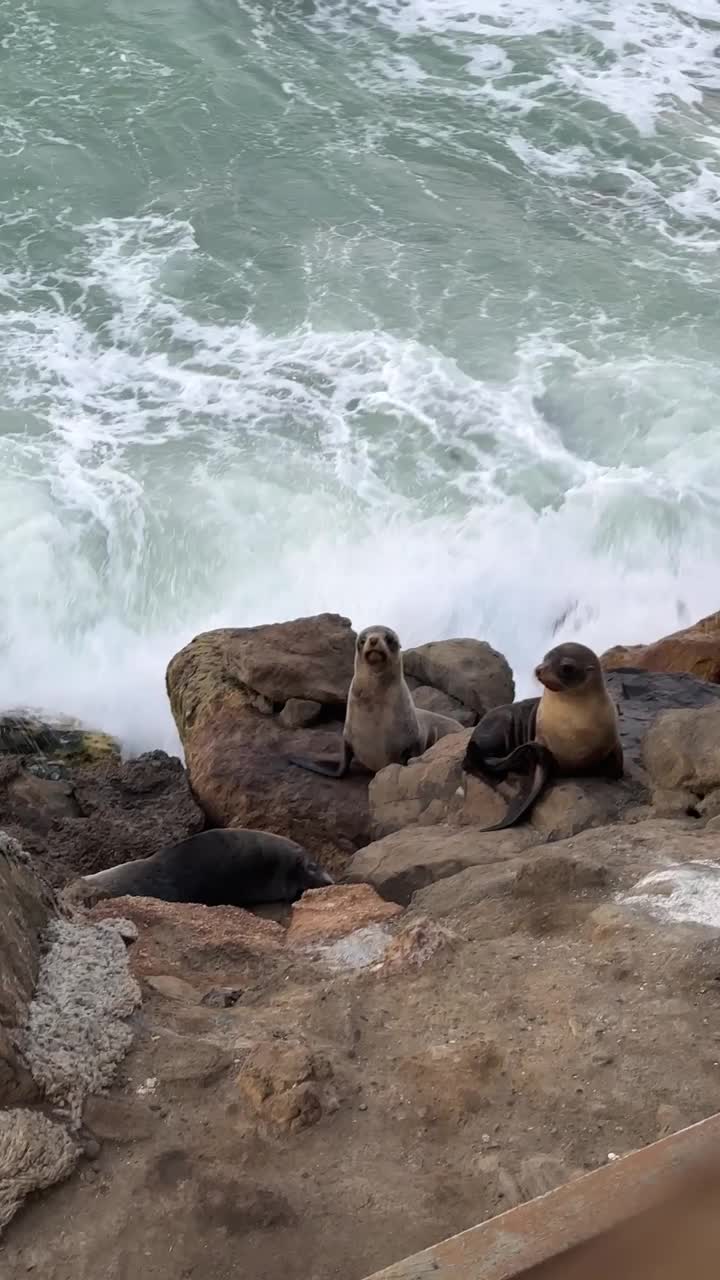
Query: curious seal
572	729
219	868
382	724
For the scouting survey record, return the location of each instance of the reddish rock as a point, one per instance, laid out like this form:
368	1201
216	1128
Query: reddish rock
325	914
693	650
180	938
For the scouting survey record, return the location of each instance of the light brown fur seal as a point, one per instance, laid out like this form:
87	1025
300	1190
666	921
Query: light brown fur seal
571	730
382	724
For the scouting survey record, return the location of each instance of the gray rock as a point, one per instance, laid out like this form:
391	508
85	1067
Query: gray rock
467	888
681	751
442	704
402	863
469	670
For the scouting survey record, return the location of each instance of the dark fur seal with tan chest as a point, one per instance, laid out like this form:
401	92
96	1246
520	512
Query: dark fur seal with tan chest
382	724
219	868
571	730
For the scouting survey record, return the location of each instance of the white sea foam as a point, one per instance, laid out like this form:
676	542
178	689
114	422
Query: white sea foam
166	468
638	58
245	478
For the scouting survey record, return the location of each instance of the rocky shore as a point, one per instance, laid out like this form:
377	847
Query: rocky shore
469	1019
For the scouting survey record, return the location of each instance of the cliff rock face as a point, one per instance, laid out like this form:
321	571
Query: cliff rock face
26	907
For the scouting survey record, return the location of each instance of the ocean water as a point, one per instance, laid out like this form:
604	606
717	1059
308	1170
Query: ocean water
408	310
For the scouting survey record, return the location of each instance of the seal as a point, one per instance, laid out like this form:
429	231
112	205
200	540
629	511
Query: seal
382	724
218	868
571	730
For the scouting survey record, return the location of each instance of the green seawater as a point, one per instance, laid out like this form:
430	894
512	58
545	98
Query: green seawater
407	310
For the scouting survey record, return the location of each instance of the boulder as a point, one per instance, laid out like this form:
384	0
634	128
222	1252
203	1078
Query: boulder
693	650
442	704
601	859
469	670
467	888
93	816
682	756
26	907
308	658
236	750
326	914
574	804
400	864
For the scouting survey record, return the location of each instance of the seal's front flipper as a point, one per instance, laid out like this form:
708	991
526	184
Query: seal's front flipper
327	768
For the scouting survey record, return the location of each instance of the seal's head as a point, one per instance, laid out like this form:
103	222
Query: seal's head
570	668
312	875
378	648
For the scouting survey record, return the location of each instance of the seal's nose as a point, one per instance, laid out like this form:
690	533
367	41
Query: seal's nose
372	642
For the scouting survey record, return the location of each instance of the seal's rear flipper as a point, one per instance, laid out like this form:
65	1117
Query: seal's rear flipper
327	768
542	771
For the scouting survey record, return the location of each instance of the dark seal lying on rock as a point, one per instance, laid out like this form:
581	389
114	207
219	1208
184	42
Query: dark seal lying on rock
571	730
228	868
382	724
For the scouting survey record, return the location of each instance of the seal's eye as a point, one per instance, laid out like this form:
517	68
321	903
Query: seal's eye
390	640
567	668
361	640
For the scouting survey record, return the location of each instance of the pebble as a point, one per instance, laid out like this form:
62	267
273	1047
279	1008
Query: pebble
91	1148
362	1106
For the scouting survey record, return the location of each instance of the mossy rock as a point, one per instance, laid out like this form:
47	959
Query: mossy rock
61	739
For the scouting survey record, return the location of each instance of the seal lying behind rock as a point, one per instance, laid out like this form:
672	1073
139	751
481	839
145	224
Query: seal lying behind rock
572	729
382	724
219	868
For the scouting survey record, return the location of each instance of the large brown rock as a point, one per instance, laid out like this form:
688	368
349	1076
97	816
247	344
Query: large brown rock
26	906
469	670
308	658
693	650
236	750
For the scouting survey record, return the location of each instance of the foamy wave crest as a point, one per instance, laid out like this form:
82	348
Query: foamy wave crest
161	474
